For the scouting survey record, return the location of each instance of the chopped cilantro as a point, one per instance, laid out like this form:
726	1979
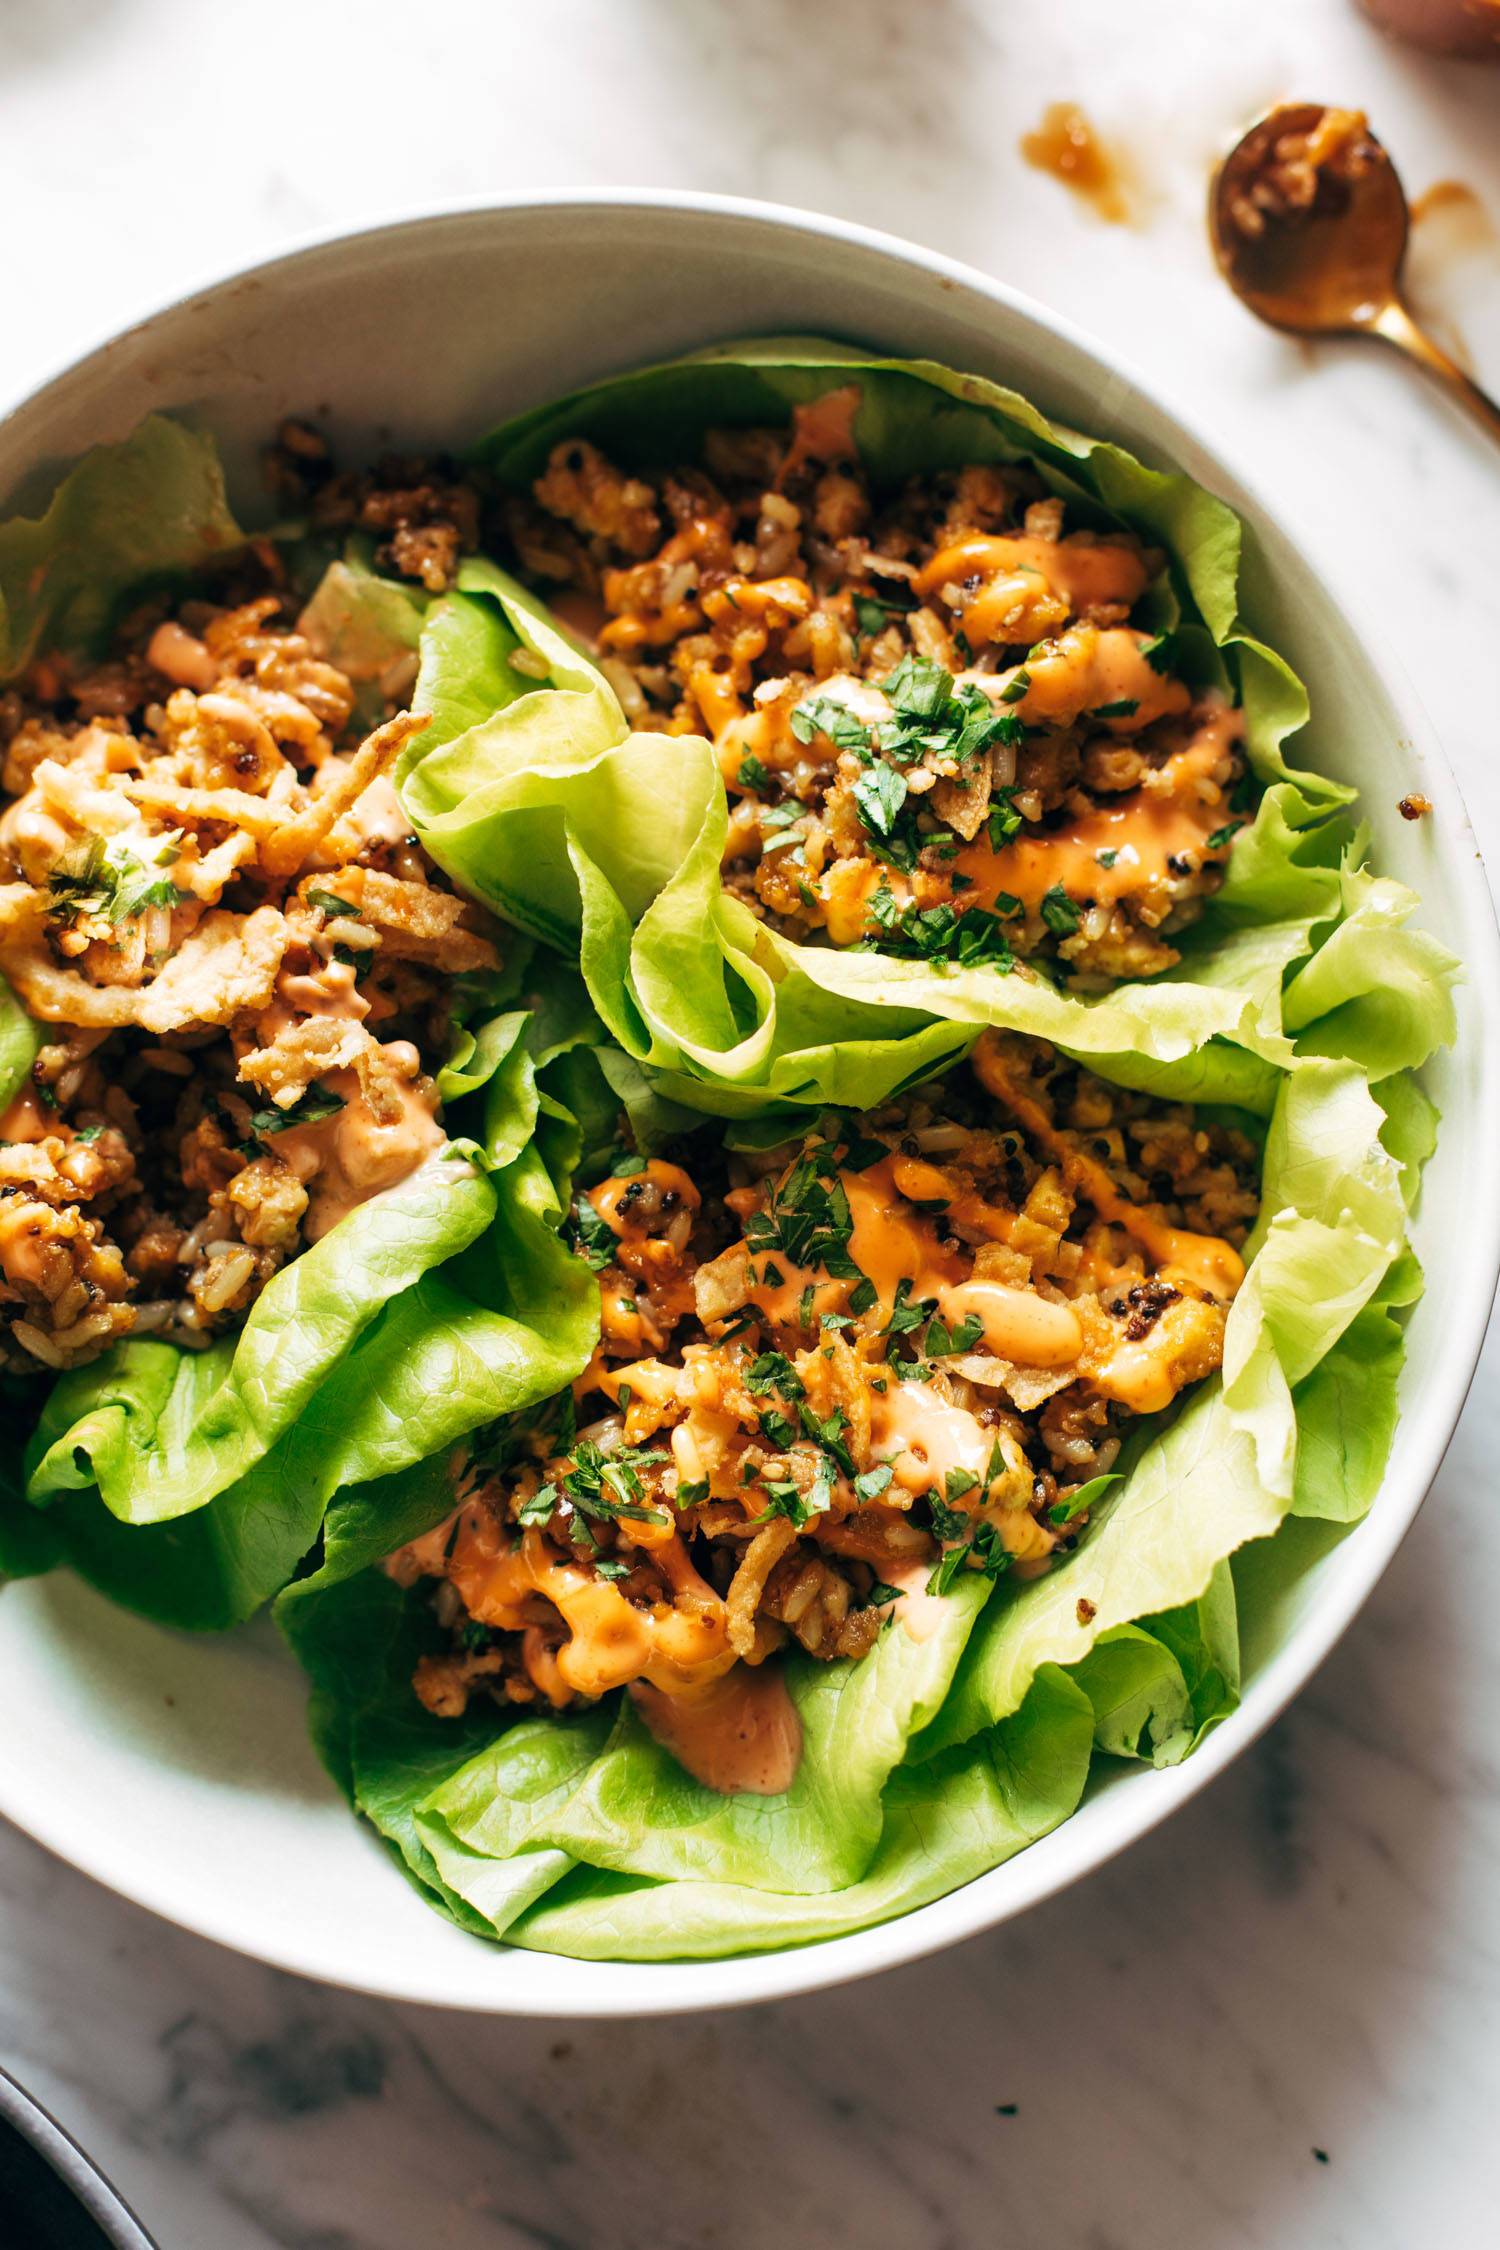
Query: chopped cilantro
905	1315
688	1495
107	880
872	614
88	1133
1078	1503
880	793
985	1550
773	1371
872	1482
1060	913
947	1568
313	1106
962	936
1221	836
604	1568
1124	708
608	1484
752	774
1004	821
821	714
941	1342
880	1593
596	1238
1016	687
1106	858
329	902
777	1430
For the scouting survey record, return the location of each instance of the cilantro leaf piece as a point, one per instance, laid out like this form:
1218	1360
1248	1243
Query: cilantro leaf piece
1060	913
595	1237
1078	1503
310	1109
773	1371
822	714
870	1483
947	1568
880	793
329	902
1004	821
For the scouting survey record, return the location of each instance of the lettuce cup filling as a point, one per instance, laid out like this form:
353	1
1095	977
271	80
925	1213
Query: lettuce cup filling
942	735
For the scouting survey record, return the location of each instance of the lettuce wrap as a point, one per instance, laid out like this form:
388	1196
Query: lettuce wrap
608	843
190	1484
931	1760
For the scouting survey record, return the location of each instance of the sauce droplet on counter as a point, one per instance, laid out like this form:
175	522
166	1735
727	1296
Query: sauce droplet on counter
740	1736
1066	145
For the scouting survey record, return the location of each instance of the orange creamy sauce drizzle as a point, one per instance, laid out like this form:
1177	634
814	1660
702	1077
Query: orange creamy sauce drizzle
740	1736
674	1648
1084	572
1203	1260
349	1157
1140	832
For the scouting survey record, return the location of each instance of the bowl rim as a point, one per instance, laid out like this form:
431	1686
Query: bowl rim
682	1987
71	2165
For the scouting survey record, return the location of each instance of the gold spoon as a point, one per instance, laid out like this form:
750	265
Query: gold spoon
1334	268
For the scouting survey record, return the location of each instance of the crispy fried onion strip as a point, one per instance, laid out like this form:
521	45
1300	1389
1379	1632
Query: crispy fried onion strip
307	1051
749	1582
228	964
415	921
287	838
376	754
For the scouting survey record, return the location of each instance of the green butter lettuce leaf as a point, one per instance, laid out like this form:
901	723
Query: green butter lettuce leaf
637	1811
147	510
161	1431
943	1826
20	1040
1157	1688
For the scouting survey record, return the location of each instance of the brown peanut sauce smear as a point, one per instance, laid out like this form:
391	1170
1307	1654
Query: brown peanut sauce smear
836	1377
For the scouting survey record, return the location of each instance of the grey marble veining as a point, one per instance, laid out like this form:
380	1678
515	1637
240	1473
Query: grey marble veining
1274	2025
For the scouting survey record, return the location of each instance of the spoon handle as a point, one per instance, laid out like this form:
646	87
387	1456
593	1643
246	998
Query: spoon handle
1394	323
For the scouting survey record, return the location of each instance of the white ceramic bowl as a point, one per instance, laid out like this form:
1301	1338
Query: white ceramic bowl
178	1770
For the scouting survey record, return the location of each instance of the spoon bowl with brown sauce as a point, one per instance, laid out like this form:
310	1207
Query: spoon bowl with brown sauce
1309	226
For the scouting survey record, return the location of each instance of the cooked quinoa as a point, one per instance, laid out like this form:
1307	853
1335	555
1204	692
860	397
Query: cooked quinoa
244	963
835	1374
942	732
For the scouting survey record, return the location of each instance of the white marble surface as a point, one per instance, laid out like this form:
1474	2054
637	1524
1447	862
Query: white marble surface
1276	2024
